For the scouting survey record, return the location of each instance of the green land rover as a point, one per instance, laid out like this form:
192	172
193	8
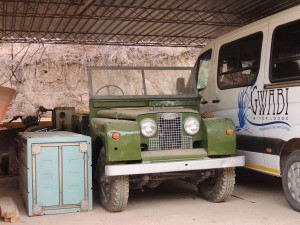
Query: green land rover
146	128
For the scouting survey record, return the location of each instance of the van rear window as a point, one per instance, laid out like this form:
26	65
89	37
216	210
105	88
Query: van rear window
285	58
239	62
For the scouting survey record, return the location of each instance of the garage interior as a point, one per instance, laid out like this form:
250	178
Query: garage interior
47	45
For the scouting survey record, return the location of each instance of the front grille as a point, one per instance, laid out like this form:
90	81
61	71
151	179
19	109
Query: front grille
170	133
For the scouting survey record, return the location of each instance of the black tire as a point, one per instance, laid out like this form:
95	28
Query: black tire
218	187
291	180
113	191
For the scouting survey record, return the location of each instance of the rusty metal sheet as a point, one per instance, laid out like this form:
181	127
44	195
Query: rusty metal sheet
6	96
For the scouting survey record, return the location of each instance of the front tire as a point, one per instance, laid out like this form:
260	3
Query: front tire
113	191
218	187
291	180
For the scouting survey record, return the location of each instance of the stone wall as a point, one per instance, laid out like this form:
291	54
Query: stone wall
55	75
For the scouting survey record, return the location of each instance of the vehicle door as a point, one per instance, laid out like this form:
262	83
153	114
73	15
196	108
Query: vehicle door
237	93
282	86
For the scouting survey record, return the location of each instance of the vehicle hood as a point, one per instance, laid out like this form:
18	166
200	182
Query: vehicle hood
133	113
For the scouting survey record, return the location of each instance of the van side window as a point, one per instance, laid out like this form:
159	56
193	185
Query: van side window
239	62
285	58
203	69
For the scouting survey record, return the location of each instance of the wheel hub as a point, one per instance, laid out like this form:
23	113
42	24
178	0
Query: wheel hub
294	181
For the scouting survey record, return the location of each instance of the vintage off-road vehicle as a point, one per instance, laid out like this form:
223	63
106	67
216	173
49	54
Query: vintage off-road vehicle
146	128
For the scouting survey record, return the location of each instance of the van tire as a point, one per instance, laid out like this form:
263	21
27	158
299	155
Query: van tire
290	175
113	191
219	186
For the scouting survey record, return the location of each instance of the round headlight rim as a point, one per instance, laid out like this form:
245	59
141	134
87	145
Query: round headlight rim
141	127
185	126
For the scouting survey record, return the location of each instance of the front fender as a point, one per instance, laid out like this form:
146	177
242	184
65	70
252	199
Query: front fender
127	147
215	139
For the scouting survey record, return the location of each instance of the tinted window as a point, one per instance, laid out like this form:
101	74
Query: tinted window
203	69
285	58
239	62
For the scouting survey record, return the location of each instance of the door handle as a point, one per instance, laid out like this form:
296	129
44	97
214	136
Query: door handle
203	102
215	101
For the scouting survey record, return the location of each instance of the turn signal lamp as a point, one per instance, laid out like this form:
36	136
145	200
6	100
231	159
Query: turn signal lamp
115	135
269	150
229	131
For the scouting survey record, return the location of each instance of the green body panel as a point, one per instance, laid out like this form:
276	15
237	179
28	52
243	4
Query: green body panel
96	105
124	116
215	139
127	147
189	103
117	104
133	113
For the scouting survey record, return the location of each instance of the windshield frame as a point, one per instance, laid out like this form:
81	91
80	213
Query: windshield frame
197	67
90	69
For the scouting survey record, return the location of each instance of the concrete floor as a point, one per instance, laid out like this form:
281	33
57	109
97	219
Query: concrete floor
257	199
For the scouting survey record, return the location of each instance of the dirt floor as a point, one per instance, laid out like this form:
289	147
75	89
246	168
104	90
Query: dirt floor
257	199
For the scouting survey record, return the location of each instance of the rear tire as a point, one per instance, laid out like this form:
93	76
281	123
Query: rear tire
291	180
218	187
113	191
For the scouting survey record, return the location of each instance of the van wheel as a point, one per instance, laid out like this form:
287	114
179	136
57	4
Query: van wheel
218	187
291	180
113	191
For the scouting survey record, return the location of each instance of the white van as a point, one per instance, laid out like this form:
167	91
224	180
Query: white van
252	76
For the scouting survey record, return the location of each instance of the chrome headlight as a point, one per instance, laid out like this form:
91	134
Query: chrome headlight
191	125
148	127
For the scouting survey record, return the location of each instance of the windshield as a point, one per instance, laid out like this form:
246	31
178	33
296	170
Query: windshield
203	69
112	82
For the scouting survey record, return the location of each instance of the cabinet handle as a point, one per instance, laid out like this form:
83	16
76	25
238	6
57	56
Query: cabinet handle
216	101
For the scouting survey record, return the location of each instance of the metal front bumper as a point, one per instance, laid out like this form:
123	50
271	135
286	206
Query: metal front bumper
164	167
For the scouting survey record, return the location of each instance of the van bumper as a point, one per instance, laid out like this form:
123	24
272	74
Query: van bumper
165	167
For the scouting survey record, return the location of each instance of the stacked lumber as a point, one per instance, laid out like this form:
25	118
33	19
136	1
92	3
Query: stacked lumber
8	209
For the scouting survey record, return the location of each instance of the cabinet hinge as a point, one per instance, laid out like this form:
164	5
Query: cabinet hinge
83	147
36	149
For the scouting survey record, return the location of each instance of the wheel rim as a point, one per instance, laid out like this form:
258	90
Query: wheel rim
293	181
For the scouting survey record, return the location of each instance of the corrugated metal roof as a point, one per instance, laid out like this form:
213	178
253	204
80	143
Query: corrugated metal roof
189	23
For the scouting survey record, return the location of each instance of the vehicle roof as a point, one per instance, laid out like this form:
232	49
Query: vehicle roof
295	12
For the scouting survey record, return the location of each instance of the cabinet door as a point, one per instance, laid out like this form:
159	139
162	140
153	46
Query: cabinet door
47	176
73	175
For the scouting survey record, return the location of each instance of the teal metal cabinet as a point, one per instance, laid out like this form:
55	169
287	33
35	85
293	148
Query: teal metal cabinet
55	172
